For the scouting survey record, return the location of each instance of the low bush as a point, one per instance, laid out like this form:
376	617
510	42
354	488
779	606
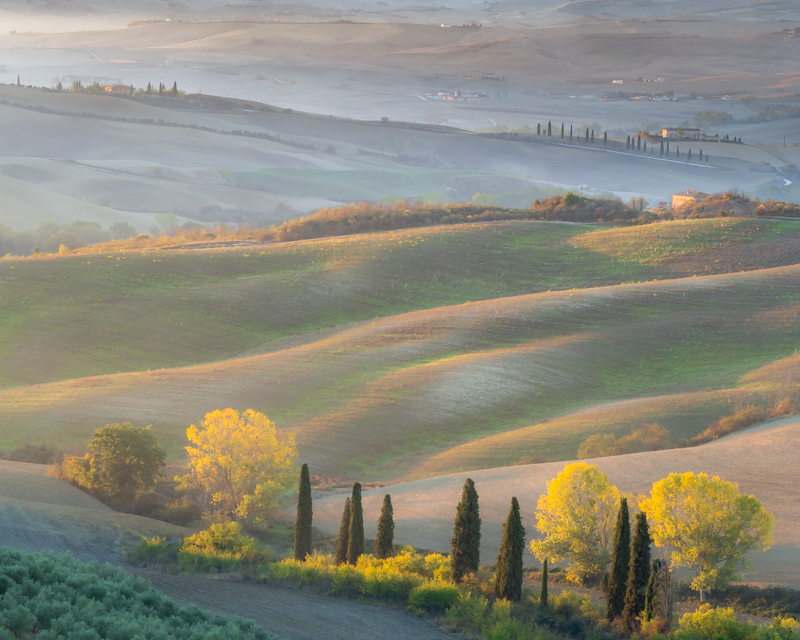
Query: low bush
58	597
434	595
747	417
649	437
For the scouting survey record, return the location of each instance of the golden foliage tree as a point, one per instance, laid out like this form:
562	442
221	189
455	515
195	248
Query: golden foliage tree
708	526
245	466
577	516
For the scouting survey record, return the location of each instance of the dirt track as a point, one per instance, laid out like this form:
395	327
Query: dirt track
295	614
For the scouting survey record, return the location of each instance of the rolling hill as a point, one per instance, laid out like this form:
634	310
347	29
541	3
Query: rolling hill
309	333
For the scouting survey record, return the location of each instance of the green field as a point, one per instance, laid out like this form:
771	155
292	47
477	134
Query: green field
406	353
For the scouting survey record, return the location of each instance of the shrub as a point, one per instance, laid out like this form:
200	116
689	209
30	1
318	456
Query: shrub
434	595
747	417
222	540
708	624
468	610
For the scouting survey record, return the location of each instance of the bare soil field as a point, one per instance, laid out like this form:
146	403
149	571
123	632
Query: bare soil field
761	460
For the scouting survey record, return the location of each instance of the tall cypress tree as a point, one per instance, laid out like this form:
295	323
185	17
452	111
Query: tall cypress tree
592	136
302	525
651	593
508	576
570	133
466	541
538	128
638	572
344	529
543	592
620	559
355	536
562	130
385	537
605	137
662	148
549	128
586	139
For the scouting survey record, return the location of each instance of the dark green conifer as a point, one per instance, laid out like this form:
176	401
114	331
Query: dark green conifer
543	592
302	525
620	559
605	137
587	135
538	128
570	133
550	128
562	130
385	537
638	572
592	136
651	593
508	576
466	541
355	536
340	556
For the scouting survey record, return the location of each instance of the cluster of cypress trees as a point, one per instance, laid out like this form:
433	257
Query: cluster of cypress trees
630	574
350	543
465	543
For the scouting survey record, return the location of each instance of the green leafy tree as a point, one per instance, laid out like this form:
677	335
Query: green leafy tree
465	544
121	462
708	526
543	591
385	537
638	573
355	534
344	530
508	575
576	517
620	561
302	525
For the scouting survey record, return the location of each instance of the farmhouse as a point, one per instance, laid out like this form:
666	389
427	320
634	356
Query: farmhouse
690	195
673	133
120	89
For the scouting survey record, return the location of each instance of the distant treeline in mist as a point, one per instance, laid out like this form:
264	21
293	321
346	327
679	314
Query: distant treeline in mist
48	237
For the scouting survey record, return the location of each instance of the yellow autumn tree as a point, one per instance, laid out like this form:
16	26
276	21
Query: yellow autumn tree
576	517
707	526
242	463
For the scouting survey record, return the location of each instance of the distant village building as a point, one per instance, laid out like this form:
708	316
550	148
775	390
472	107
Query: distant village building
120	89
690	195
677	133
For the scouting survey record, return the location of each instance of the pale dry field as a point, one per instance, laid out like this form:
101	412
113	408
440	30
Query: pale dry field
763	461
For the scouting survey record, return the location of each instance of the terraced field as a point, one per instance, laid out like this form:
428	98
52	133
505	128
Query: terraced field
346	341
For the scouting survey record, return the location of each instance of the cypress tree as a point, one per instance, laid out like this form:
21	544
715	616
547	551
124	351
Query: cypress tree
620	559
651	593
508	576
570	133
466	541
638	572
592	136
689	155
538	128
385	537
701	155
340	556
355	535
562	130
662	148
543	592
638	143
302	525
605	137
678	152
550	128
628	143
587	135
644	146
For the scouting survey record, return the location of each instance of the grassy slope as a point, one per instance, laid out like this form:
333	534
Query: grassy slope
381	398
378	399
